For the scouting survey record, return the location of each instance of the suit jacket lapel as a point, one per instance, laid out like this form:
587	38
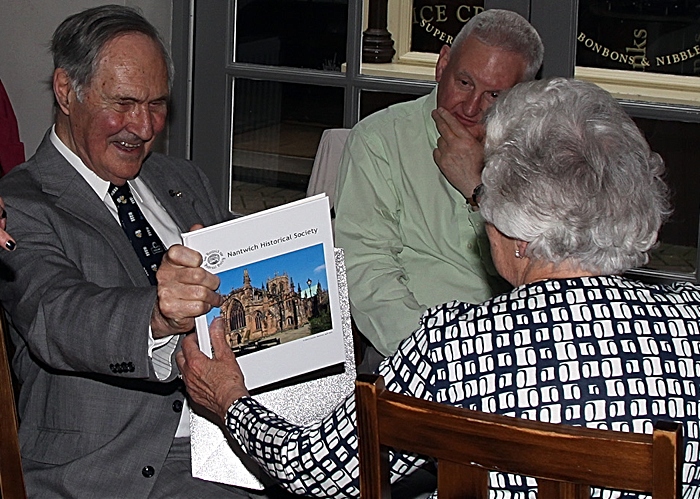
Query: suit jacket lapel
74	196
175	197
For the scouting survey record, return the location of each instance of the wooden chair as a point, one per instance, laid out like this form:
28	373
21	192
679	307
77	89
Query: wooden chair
11	477
566	460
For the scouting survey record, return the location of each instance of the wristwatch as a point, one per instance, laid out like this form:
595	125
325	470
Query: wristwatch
476	196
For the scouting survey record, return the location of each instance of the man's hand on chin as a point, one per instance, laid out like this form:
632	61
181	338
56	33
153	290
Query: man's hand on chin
459	154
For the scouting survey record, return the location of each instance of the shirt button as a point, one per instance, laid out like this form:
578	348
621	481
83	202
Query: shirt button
148	471
177	406
469	245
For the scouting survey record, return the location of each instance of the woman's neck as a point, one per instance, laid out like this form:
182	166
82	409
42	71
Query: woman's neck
537	271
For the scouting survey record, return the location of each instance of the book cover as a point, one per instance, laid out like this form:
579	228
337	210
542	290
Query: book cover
279	282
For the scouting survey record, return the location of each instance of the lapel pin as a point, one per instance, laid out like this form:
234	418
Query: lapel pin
175	194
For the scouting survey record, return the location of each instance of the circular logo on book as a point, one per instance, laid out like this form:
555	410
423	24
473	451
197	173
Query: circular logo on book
213	259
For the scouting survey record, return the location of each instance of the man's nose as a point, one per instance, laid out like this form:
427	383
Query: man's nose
471	106
141	123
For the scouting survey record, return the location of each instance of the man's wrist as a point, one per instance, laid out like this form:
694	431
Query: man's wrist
476	195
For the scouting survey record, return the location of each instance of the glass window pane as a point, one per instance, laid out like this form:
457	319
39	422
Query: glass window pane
372	101
277	127
658	36
676	142
436	22
295	33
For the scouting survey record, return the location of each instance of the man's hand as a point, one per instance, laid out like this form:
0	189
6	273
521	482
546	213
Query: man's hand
5	240
459	155
185	291
212	383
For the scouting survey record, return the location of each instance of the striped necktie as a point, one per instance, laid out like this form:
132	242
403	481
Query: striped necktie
146	243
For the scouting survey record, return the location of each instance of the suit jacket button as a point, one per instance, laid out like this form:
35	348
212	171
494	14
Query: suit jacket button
131	367
177	406
112	368
148	471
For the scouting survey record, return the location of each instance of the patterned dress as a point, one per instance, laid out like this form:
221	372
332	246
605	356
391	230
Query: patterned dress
601	352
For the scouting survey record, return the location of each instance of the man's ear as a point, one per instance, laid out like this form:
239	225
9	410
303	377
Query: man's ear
63	90
442	61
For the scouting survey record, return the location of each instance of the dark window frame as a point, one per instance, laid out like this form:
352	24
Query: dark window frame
202	132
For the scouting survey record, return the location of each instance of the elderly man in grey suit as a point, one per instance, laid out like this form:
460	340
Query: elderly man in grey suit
95	316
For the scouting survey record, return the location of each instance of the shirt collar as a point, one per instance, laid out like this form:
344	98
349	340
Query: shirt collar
429	105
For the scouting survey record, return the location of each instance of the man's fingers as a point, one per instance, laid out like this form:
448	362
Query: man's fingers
190	342
185	276
188	302
451	128
448	125
442	125
181	266
218	338
180	256
190	347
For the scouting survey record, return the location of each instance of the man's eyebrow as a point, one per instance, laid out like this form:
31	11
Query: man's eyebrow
463	74
131	98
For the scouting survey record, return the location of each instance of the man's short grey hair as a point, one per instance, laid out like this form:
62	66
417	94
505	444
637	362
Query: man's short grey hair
78	41
509	31
567	171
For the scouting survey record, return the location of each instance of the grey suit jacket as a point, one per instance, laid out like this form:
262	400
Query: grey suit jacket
80	304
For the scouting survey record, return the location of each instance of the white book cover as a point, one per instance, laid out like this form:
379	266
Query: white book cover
279	281
282	315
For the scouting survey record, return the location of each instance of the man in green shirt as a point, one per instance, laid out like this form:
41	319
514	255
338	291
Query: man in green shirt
406	217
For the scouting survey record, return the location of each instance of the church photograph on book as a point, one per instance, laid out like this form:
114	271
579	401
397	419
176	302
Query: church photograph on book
289	302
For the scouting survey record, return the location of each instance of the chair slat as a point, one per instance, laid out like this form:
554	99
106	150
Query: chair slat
462	481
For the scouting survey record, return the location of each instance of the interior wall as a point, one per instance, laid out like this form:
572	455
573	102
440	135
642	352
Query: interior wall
26	27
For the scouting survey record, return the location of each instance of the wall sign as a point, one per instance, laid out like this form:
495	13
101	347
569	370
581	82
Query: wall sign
658	36
436	22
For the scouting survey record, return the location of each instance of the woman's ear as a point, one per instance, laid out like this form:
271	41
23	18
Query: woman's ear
521	247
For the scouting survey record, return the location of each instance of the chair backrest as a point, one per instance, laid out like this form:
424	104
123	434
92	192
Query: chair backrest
566	460
11	476
327	163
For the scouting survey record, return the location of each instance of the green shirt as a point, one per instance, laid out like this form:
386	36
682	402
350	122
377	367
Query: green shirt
411	240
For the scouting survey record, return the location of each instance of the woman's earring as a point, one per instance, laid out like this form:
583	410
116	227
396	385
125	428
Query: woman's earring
517	253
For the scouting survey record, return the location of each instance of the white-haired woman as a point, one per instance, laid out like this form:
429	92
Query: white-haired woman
573	197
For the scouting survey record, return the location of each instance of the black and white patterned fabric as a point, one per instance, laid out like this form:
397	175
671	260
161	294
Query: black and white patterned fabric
601	352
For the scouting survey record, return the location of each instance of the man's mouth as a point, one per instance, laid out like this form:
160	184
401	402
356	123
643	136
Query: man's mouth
468	122
129	146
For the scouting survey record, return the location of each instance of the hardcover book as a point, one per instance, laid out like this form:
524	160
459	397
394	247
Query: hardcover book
282	313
